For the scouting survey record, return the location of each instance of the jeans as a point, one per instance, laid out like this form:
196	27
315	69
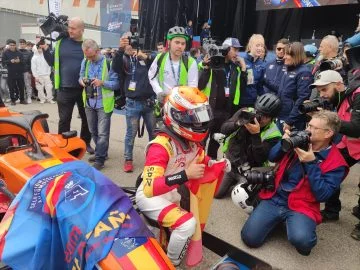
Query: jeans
301	230
135	109
66	99
16	88
99	125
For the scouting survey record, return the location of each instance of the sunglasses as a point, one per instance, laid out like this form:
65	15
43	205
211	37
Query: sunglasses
280	49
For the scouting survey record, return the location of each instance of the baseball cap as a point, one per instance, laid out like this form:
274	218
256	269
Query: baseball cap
231	42
326	77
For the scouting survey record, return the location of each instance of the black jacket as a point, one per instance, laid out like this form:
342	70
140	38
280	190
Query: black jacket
15	70
27	55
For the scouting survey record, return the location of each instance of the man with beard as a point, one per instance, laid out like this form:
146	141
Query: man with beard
275	69
330	85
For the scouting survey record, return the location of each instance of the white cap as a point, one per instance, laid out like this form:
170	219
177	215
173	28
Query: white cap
326	77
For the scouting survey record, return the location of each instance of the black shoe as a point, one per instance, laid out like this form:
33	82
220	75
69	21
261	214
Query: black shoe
329	216
356	232
98	166
13	103
90	150
92	158
23	102
356	211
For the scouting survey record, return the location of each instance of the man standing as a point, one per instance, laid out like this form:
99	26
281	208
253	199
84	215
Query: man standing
27	55
14	60
66	59
99	82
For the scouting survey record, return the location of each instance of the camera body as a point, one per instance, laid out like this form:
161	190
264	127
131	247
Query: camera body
265	179
217	53
55	24
332	64
246	117
299	139
314	104
90	90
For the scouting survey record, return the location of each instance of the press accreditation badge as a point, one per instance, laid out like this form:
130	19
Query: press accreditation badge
250	76
132	86
227	91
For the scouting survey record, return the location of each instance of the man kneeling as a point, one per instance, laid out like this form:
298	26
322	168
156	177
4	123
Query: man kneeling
305	177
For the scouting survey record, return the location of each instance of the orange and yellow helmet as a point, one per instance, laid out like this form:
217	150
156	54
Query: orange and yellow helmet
187	112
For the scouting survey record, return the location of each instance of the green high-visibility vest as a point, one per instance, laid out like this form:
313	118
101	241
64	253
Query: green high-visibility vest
108	99
57	65
183	72
207	89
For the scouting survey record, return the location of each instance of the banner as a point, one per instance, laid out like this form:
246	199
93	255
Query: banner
55	7
281	4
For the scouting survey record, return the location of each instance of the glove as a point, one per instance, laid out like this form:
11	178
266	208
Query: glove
227	167
219	137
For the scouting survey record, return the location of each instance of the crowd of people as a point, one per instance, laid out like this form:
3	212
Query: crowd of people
187	99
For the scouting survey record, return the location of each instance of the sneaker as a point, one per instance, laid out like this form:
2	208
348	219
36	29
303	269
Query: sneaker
92	158
29	101
8	100
23	102
98	166
356	232
13	103
51	101
329	216
42	101
90	150
356	211
128	166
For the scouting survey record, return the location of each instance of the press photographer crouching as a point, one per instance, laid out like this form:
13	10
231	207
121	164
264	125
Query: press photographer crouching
250	136
305	176
132	66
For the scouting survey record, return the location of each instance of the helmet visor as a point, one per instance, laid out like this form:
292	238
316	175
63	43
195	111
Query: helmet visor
198	115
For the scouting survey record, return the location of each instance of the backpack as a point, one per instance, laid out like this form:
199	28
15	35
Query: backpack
184	59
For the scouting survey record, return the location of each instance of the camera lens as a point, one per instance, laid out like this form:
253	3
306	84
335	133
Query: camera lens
286	145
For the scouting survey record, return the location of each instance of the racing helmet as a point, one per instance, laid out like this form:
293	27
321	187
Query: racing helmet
268	104
310	50
187	112
245	196
177	31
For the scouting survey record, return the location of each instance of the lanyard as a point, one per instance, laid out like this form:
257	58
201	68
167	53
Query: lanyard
173	70
228	74
133	64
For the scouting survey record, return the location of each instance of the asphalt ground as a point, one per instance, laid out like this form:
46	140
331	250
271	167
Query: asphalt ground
335	249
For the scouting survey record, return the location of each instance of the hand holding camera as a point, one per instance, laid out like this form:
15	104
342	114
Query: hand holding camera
97	83
124	41
253	128
305	156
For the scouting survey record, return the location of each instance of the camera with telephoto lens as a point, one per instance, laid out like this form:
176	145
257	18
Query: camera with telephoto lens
299	139
217	53
314	104
55	24
333	64
265	179
90	90
246	117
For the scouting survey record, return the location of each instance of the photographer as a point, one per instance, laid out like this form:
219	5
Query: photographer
223	85
132	66
347	101
99	82
249	140
66	59
304	178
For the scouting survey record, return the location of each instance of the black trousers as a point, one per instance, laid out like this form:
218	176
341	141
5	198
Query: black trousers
16	88
66	100
333	204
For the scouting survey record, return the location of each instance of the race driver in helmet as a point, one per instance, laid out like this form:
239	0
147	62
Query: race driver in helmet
172	158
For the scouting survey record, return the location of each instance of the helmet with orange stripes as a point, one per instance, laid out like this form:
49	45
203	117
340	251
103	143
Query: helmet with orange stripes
187	112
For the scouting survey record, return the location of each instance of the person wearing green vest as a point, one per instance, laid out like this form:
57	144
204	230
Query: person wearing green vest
99	82
248	143
223	85
173	68
66	59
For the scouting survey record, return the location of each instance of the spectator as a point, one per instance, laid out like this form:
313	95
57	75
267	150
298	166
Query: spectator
205	32
27	55
294	88
98	98
303	180
160	47
41	72
4	89
66	60
189	29
14	61
133	66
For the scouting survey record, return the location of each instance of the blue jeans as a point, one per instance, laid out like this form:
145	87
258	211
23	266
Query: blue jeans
135	109
301	230
99	126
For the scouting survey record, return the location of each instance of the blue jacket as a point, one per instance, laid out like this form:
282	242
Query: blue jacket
273	73
252	91
293	90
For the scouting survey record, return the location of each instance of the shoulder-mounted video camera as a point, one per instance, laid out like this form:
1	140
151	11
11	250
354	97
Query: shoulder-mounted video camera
217	53
55	24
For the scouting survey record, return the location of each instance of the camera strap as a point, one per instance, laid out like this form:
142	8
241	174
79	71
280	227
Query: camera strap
141	130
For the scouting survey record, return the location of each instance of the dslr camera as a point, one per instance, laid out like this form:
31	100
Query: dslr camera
55	24
333	64
90	91
299	139
246	117
314	104
265	179
217	53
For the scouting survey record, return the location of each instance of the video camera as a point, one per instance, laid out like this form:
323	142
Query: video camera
217	53
265	179
333	64
299	139
314	104
246	117
54	24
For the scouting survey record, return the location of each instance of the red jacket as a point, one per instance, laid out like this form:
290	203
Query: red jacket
301	199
